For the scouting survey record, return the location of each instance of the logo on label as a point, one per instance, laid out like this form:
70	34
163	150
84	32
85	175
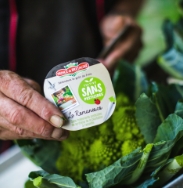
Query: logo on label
92	90
72	69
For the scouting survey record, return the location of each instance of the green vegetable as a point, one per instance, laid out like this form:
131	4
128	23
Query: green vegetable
153	108
29	184
164	173
131	79
169	170
100	157
95	148
107	156
172	59
42	179
140	166
35	150
37	181
114	154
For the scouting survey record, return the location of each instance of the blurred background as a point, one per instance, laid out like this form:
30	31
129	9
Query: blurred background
151	19
154	12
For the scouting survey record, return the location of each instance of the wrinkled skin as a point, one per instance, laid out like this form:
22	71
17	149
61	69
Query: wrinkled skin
25	113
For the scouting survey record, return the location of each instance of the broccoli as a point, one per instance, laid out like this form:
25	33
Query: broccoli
94	148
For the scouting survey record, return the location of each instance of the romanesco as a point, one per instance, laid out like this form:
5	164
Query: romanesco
122	100
94	148
124	123
103	152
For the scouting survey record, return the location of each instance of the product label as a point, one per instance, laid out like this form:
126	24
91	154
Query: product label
83	91
92	90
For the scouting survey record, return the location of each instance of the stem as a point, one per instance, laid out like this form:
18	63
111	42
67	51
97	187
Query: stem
141	165
170	170
158	108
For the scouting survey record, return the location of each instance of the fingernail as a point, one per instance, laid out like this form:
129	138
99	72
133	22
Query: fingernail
57	121
59	134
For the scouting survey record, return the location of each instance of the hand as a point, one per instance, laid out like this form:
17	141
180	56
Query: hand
25	113
128	47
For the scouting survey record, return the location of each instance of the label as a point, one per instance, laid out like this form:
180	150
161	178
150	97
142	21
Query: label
83	91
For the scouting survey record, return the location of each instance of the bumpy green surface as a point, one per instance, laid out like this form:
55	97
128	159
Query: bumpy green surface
93	149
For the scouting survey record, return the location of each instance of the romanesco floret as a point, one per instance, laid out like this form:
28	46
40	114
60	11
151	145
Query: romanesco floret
122	100
105	128
124	124
103	152
129	145
94	148
73	159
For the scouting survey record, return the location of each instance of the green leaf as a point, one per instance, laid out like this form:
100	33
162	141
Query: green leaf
170	129
172	59
152	179
37	181
38	151
165	98
178	146
148	183
152	109
168	33
36	174
172	126
177	149
172	63
130	80
163	173
44	180
118	172
29	184
179	108
141	166
178	36
169	133
147	116
123	170
169	170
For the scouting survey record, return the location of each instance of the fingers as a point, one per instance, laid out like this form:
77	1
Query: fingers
15	117
18	90
128	47
19	133
33	84
131	54
24	113
111	26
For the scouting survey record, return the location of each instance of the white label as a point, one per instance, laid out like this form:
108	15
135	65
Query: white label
83	93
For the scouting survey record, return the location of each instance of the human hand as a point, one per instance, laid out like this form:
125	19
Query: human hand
25	113
128	47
